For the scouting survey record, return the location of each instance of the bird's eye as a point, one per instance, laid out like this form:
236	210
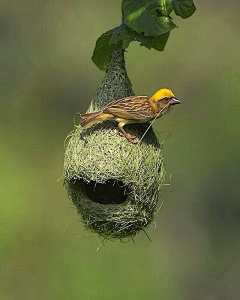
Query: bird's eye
166	98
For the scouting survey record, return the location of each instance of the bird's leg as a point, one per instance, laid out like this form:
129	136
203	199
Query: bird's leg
127	136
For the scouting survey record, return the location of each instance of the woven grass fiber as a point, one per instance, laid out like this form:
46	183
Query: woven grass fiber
114	184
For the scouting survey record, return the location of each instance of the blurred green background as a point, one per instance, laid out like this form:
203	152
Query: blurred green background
48	76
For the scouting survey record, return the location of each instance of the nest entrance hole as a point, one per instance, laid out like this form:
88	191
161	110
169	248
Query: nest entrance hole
111	192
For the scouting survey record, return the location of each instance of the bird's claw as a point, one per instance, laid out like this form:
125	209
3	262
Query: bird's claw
131	139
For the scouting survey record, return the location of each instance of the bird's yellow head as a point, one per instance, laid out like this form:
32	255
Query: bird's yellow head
162	94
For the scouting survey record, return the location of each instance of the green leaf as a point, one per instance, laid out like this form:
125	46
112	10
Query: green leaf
144	40
154	6
167	7
103	49
184	8
115	39
146	21
159	42
121	33
128	6
142	21
147	16
164	7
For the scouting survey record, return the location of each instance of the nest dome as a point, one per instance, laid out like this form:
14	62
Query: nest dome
114	184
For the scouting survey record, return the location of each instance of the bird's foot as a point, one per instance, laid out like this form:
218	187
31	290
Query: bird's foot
131	139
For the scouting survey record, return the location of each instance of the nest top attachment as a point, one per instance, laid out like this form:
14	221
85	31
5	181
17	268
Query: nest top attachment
114	184
115	84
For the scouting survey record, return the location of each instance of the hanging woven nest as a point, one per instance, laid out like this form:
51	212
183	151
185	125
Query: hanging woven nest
113	183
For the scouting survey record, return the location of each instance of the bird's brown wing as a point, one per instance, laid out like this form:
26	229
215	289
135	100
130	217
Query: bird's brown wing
131	108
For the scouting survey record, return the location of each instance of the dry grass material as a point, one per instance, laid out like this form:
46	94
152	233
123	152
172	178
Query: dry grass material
114	184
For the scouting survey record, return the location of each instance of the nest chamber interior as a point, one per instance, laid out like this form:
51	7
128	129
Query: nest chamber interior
114	184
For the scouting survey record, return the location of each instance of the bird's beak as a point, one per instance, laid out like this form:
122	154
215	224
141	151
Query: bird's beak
175	101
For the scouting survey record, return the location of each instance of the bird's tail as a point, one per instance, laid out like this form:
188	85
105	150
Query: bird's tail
90	119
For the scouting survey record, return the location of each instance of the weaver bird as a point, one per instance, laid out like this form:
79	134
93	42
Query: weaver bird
133	109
